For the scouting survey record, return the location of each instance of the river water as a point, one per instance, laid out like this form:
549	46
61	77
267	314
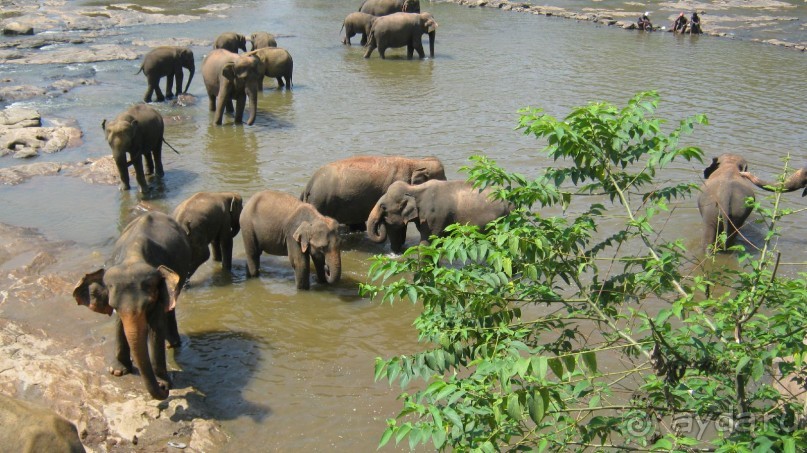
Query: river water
293	371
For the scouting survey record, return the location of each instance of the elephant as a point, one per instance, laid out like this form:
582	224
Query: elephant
144	277
722	200
432	206
139	132
277	63
796	181
210	220
348	189
280	224
231	41
355	23
261	39
399	30
387	7
28	428
167	61
231	76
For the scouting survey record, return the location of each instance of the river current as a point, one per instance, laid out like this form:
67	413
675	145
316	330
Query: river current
288	370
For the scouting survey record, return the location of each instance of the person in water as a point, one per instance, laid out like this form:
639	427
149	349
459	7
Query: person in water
644	22
680	23
695	23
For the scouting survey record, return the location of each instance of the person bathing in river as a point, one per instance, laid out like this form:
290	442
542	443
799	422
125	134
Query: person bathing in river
644	22
680	23
695	24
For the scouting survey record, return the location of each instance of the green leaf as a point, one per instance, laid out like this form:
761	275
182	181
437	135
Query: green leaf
590	360
556	367
513	407
386	436
536	407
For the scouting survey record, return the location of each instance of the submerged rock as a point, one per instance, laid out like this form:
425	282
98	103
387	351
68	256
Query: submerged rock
16	28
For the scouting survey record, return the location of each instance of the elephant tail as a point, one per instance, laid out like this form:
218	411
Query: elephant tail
169	145
141	70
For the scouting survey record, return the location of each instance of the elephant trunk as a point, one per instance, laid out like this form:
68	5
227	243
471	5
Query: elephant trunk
192	70
432	35
252	94
376	229
136	331
333	267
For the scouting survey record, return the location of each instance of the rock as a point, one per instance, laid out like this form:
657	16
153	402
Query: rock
207	435
19	117
98	171
20	92
29	141
18	174
16	28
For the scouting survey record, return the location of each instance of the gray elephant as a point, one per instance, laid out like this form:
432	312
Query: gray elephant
796	181
277	63
138	132
27	427
386	7
167	61
231	76
722	200
355	23
261	39
348	189
432	206
279	224
231	41
210	220
399	30
143	279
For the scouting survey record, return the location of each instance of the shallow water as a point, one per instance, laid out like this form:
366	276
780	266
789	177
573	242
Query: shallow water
287	370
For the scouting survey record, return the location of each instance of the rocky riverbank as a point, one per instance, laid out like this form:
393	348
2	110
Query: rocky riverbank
715	18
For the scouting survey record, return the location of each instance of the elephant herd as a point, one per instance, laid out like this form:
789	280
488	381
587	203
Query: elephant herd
387	24
157	253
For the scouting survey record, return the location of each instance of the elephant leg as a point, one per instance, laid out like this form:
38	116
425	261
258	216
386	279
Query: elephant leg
137	163
149	163
123	170
212	102
221	100
253	253
319	268
169	86
158	158
215	249
364	39
381	51
149	92
171	330
280	83
122	364
240	104
397	237
419	48
302	272
410	52
370	47
155	83
156	345
226	251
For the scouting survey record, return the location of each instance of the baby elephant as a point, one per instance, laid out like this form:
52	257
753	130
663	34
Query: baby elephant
402	30
280	224
231	41
261	39
356	23
431	206
276	63
139	132
211	221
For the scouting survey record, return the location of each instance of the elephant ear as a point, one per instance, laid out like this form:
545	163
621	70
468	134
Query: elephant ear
91	292
419	176
301	236
172	286
711	168
409	212
431	26
236	206
228	70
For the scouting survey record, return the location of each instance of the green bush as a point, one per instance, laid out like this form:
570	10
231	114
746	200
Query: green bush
535	331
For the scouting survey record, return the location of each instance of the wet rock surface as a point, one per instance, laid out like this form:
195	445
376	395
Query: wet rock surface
22	135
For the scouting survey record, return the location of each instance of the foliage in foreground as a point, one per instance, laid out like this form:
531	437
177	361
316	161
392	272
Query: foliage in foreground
538	330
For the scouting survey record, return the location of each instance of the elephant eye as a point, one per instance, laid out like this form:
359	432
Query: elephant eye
383	206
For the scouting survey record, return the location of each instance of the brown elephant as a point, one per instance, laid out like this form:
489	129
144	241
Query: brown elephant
277	63
168	62
399	30
142	281
231	41
356	23
261	39
231	76
29	428
211	221
431	206
348	189
796	181
722	200
137	132
386	7
279	224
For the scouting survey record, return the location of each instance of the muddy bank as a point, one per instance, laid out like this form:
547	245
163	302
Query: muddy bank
715	19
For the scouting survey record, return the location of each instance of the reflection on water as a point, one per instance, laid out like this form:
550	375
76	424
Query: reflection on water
289	370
